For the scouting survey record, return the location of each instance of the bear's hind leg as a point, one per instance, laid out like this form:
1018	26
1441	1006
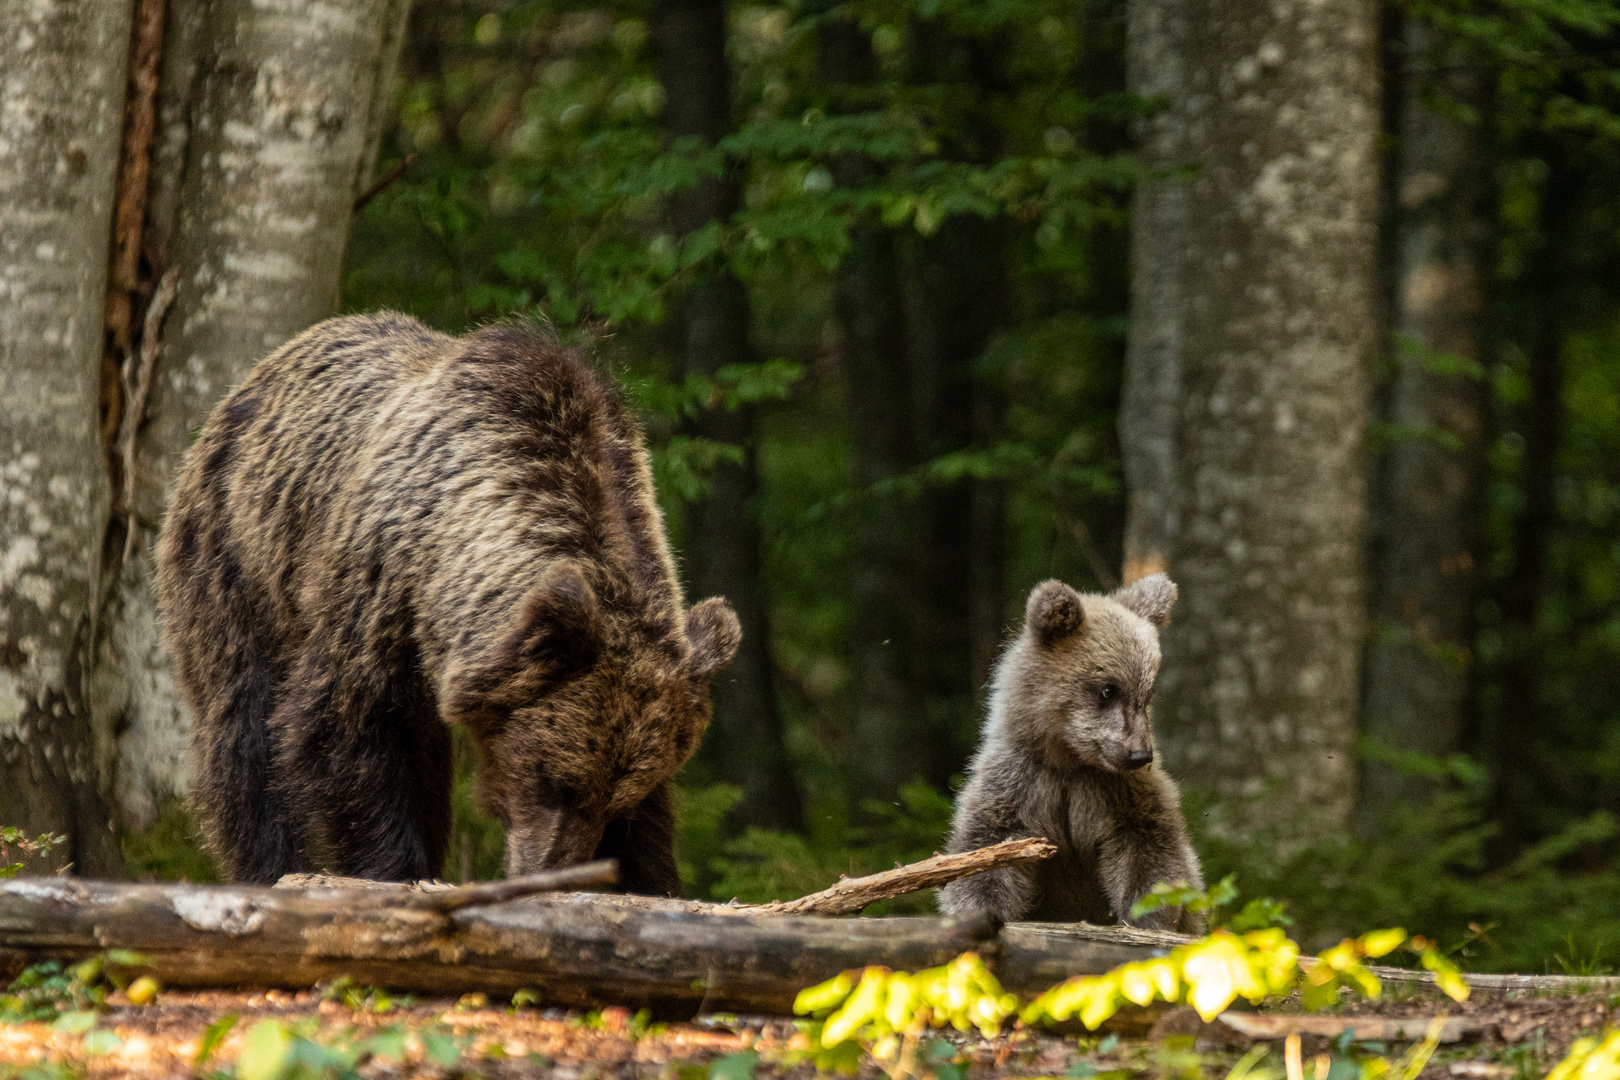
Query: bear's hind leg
353	772
247	824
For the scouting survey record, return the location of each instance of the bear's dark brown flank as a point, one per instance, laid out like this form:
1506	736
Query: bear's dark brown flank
369	534
1070	702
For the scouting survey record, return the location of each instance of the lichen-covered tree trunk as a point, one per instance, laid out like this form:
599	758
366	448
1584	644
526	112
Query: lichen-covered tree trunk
1257	700
266	132
1155	72
61	103
1426	499
723	540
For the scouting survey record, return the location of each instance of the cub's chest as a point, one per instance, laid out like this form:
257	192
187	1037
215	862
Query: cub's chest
1068	886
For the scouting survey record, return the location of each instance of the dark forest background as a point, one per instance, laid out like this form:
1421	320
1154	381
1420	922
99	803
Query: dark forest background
865	269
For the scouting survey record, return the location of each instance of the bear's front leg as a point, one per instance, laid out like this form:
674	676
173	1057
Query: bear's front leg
985	817
644	844
1132	862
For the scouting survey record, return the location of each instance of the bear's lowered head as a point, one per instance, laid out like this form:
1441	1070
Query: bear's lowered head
1077	683
584	709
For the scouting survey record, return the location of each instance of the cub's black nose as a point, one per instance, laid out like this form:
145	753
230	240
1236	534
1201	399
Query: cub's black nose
1138	758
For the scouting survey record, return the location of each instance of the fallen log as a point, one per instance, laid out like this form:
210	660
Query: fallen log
573	950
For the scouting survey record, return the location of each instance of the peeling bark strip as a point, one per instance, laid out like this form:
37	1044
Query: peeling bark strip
268	116
129	219
1273	327
61	98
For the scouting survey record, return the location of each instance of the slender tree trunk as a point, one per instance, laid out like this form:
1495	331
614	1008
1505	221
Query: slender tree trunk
870	306
1427	498
1274	327
268	123
61	103
959	300
1151	389
960	291
723	535
1524	591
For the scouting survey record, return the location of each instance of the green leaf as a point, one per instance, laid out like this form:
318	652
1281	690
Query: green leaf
738	1066
102	1041
388	1043
75	1022
212	1036
266	1052
441	1049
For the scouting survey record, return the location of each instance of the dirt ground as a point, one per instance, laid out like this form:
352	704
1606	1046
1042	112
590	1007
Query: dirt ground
1518	1036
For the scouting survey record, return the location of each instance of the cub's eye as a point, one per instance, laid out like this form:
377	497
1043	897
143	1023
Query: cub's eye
1108	692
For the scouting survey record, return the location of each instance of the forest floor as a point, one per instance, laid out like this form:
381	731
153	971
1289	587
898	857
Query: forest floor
348	1032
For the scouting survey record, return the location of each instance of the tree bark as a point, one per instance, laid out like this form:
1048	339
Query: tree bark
1257	696
869	305
1155	71
1427	499
960	289
1520	671
745	745
268	122
62	67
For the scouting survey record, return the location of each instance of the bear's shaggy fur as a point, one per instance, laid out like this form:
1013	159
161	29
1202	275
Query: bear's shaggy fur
1067	754
385	530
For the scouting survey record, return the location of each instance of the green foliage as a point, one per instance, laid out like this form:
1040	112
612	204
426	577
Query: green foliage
763	865
14	841
274	1049
1428	867
69	997
345	991
170	849
1258	914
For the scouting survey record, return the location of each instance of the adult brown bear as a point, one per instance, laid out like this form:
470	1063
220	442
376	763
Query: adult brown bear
386	530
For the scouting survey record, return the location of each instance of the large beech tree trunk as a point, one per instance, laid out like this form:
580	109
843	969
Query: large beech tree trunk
269	121
722	553
1426	502
1275	327
1155	70
61	104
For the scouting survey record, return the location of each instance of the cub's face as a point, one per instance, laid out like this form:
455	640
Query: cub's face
577	727
1091	665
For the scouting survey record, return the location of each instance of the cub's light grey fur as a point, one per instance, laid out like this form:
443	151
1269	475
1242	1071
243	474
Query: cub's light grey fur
1068	754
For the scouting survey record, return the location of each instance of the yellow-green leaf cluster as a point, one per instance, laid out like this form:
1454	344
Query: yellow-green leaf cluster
1208	974
1211	973
1591	1058
883	1003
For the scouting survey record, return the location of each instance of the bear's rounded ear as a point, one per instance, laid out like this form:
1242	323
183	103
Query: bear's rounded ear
1151	597
715	633
1054	612
559	627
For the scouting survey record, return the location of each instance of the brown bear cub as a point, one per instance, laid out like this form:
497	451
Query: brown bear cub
385	530
1068	754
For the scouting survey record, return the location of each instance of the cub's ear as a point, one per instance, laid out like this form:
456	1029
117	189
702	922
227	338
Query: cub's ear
1054	613
559	626
1151	597
715	633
